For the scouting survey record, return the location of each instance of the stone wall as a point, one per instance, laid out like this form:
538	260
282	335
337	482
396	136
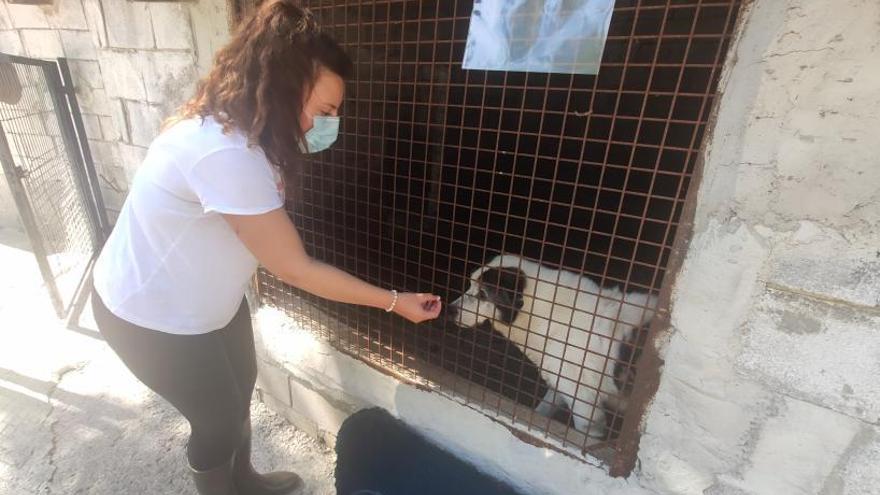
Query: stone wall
132	64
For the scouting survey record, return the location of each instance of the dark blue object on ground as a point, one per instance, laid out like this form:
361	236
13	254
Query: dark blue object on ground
379	455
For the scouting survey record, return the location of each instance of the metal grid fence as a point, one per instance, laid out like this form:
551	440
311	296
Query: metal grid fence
583	178
41	154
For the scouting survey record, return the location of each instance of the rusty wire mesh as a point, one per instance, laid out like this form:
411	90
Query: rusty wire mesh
439	169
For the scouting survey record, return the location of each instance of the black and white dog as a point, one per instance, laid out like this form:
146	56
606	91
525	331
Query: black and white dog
564	322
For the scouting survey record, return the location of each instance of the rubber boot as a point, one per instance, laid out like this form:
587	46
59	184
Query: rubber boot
249	482
217	481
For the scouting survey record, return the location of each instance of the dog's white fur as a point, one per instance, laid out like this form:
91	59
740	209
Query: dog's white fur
564	313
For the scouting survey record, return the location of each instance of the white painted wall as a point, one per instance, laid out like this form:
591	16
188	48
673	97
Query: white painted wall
771	378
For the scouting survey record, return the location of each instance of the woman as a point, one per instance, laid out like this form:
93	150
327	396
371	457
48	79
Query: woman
205	207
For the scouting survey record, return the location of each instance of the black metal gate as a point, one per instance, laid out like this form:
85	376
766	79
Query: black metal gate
47	163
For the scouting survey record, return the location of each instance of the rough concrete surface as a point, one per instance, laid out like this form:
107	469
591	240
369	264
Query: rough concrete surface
74	420
770	378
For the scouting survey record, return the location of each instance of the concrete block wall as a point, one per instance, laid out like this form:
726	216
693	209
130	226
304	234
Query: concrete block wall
770	381
132	63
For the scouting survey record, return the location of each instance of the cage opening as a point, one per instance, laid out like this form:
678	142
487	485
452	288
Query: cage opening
583	179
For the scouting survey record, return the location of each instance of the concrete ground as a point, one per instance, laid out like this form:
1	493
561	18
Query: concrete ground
74	420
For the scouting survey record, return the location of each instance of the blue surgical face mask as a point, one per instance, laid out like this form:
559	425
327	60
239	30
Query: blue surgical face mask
323	133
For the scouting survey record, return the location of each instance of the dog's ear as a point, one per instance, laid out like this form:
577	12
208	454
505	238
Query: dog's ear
505	287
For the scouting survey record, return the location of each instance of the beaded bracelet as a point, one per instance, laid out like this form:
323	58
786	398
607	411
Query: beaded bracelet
393	302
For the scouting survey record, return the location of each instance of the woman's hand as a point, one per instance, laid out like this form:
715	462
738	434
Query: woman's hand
418	307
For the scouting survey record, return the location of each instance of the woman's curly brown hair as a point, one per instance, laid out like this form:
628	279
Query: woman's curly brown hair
261	78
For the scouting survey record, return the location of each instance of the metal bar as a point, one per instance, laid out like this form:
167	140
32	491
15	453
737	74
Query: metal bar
72	149
28	219
95	201
16	59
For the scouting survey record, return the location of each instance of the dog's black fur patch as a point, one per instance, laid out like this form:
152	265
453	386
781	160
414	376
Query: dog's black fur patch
484	356
624	377
629	354
504	286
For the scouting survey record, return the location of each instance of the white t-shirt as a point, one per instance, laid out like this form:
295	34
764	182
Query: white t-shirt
172	263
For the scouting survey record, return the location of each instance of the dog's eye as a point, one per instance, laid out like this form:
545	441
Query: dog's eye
482	294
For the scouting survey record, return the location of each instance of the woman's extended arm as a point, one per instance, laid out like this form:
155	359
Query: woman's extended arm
274	241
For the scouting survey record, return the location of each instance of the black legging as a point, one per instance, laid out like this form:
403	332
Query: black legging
209	378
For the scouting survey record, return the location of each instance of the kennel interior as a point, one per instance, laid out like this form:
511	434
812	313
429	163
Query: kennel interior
438	169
